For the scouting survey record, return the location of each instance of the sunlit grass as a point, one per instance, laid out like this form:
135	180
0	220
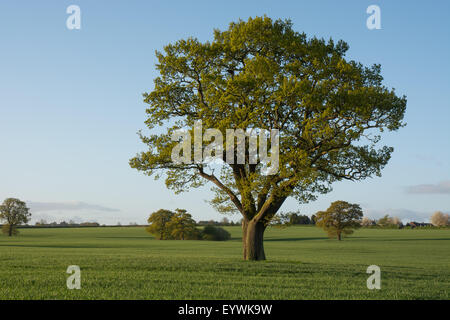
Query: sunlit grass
127	263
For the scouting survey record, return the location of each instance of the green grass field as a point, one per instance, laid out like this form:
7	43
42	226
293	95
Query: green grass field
127	263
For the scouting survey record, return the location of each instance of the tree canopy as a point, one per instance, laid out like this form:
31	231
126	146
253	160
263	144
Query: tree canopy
340	219
440	219
168	225
182	226
260	74
158	224
14	212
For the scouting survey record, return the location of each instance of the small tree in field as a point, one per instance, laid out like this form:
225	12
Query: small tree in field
168	225
158	224
14	212
340	219
182	227
440	219
384	221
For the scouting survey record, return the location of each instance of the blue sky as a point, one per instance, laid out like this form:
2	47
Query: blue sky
71	104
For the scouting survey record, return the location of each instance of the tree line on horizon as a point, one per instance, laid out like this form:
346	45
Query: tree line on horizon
437	219
340	219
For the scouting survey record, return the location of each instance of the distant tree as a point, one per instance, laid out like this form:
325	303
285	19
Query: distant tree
396	221
440	219
340	218
41	222
299	219
385	221
313	219
290	218
389	222
281	220
158	224
168	225
89	224
14	212
182	227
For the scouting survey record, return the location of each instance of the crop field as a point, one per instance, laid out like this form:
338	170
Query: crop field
302	263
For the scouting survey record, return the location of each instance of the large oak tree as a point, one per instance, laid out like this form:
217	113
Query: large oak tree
261	74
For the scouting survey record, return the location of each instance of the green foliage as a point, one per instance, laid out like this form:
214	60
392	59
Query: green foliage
340	219
289	219
168	225
158	224
215	233
14	212
296	218
389	222
182	227
384	221
261	74
179	225
281	220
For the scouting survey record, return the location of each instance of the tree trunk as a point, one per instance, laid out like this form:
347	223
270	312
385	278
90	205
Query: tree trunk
244	237
252	238
339	236
10	230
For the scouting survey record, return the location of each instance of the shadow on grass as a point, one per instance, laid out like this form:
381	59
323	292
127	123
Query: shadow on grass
311	238
60	246
118	237
296	239
415	239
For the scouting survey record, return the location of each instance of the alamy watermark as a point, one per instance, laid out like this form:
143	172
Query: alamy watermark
374	281
374	20
74	280
213	152
74	20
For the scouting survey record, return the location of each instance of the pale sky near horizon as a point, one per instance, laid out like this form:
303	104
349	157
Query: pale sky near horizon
71	101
